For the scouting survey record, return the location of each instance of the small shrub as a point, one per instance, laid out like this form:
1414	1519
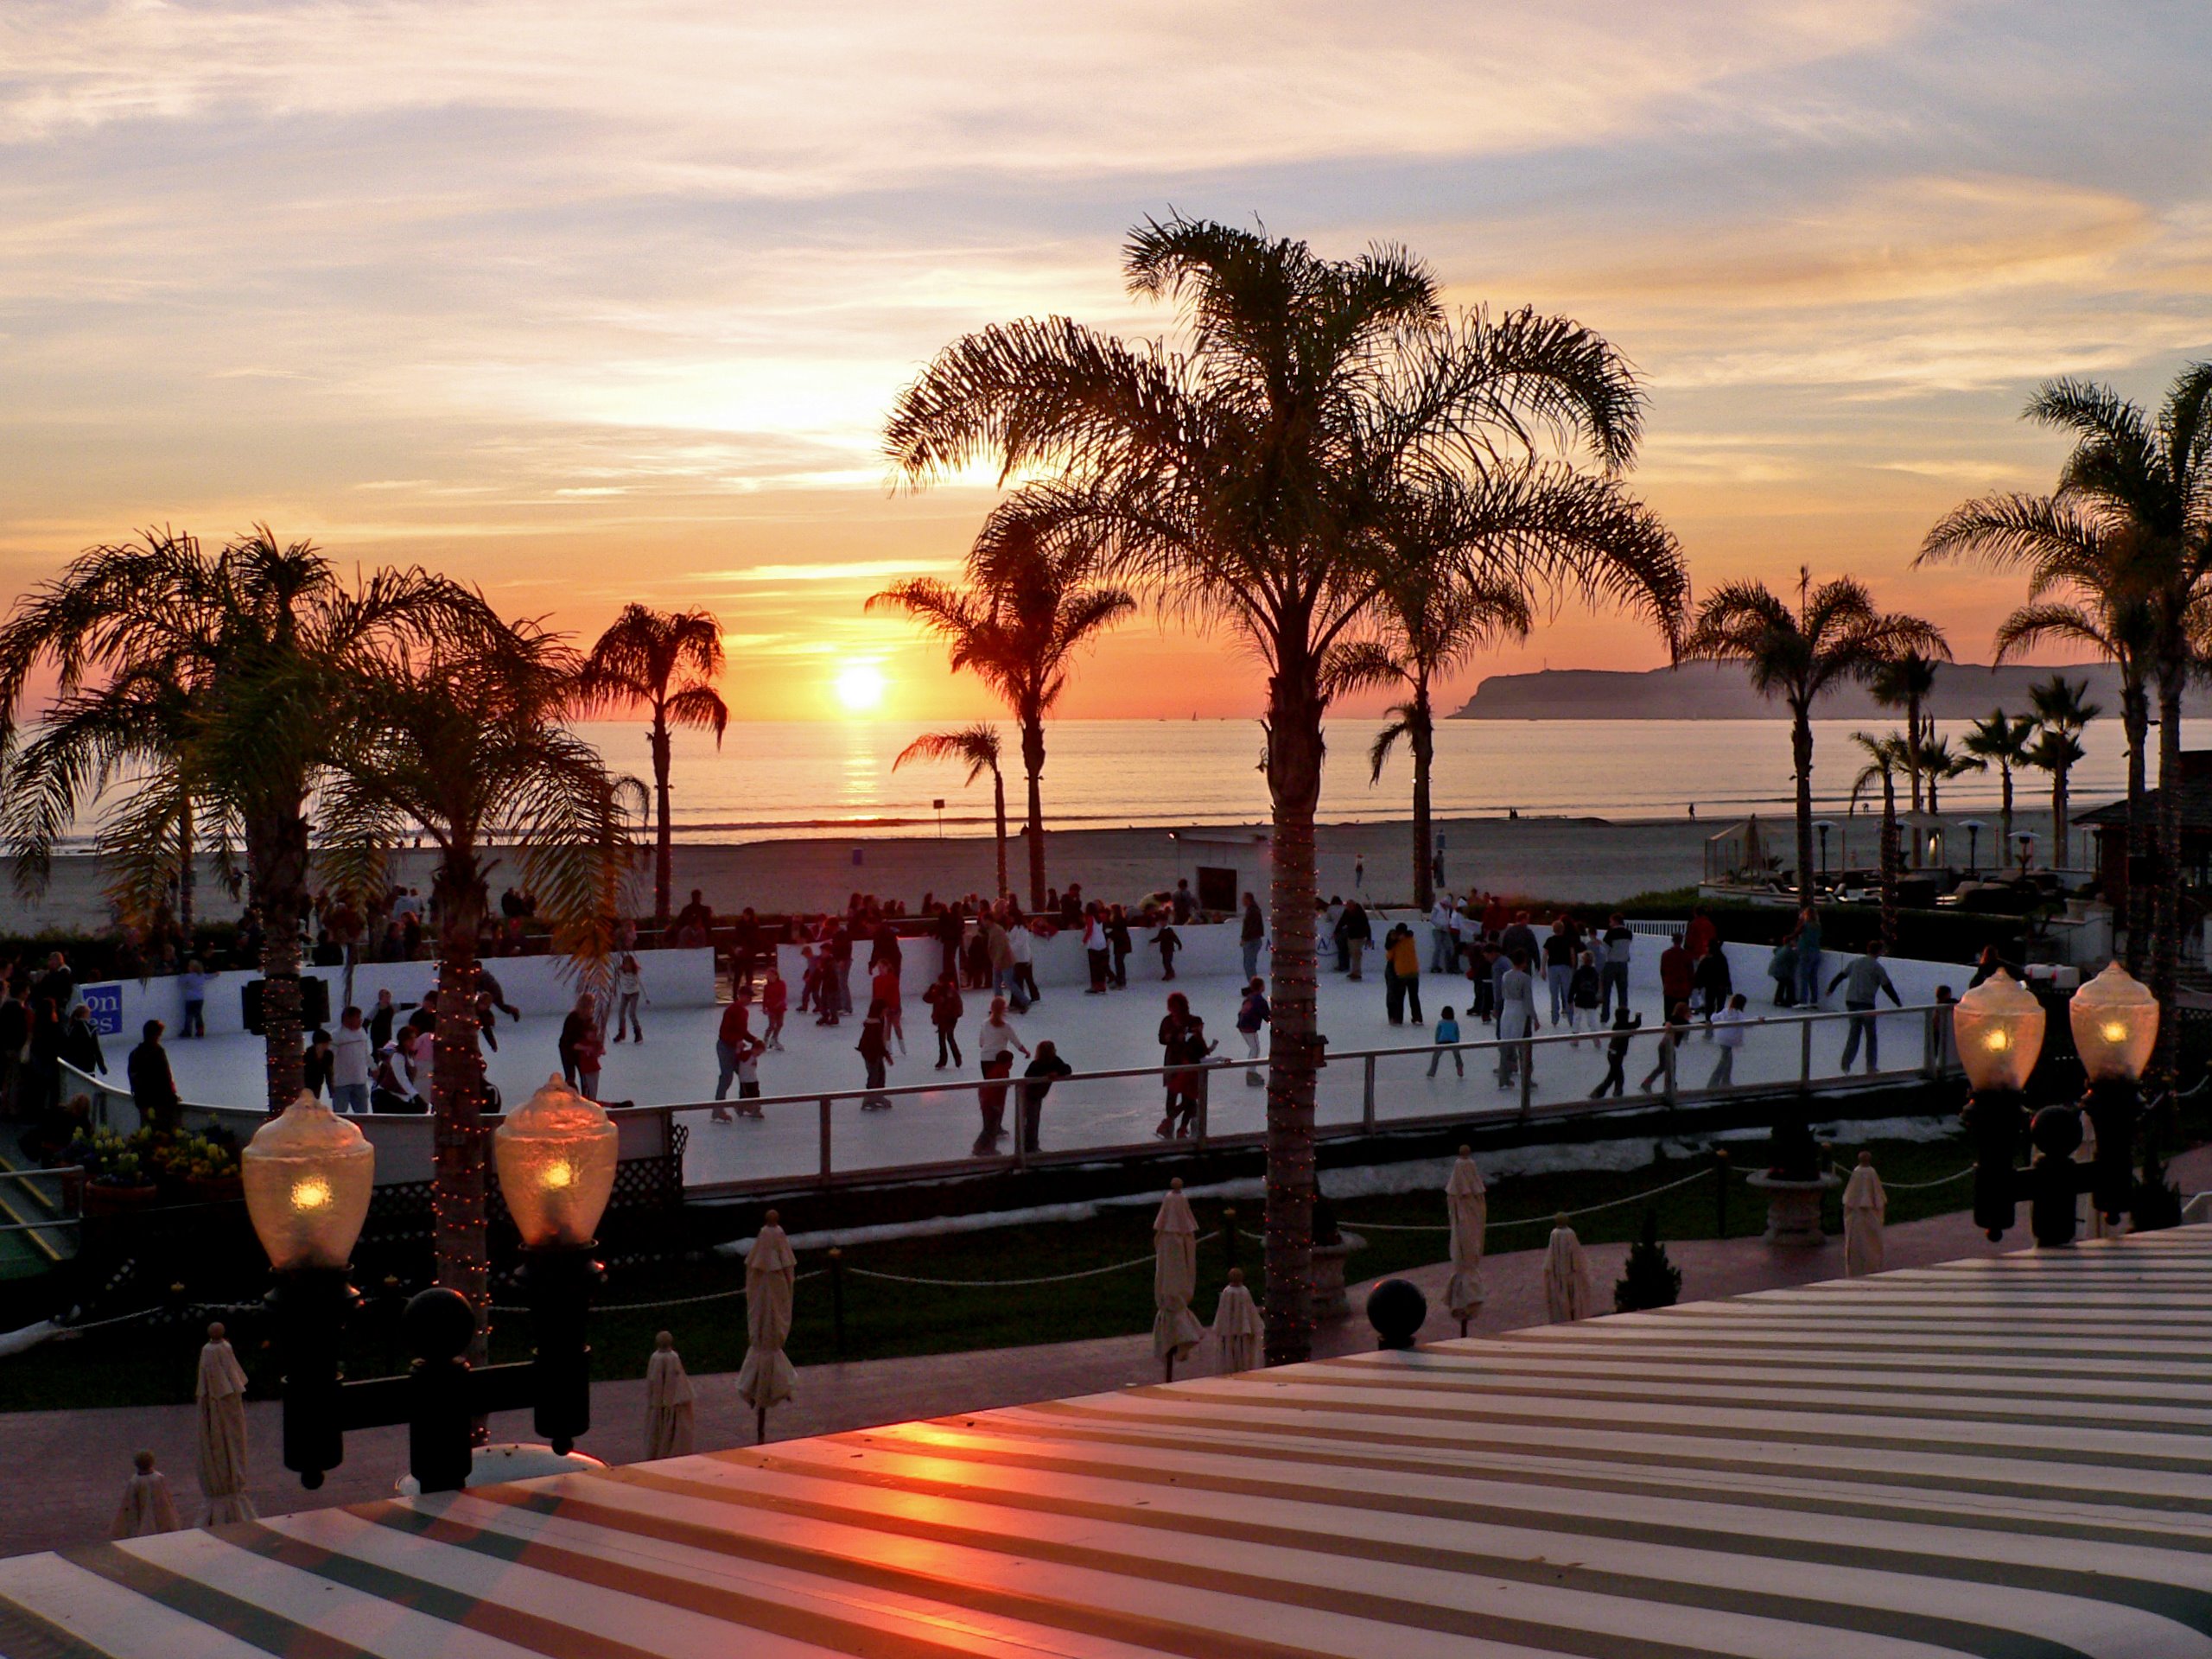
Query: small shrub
1648	1279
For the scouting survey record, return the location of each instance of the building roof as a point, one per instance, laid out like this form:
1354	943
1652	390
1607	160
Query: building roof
2004	1455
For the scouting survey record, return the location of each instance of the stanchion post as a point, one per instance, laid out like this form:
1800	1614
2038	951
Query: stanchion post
837	1299
1228	1233
1720	1192
825	1140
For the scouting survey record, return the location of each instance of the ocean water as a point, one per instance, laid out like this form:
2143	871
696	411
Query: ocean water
835	778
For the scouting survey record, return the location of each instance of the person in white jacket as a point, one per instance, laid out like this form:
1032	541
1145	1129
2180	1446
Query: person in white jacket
1728	1031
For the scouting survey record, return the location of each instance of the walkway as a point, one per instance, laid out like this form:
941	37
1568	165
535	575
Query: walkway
76	1461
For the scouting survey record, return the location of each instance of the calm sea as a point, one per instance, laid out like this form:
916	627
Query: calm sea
835	777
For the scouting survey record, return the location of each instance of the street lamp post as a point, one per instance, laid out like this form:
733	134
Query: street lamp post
1823	825
1997	1026
308	1176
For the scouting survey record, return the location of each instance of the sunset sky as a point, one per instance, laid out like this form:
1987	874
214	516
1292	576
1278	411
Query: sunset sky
590	303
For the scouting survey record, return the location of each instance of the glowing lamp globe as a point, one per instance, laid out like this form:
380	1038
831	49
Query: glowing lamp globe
556	1165
1998	1028
308	1173
2115	1021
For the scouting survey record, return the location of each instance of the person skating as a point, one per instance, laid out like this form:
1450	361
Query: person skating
1615	1082
946	1006
1517	1021
874	1050
629	992
1447	1037
731	1037
1252	1013
1863	981
1045	1068
1728	1031
996	1043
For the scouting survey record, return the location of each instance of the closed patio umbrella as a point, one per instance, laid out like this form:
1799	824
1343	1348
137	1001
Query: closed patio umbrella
146	1507
668	1402
221	1397
1237	1327
1864	1203
1175	1329
1569	1293
766	1378
1467	1202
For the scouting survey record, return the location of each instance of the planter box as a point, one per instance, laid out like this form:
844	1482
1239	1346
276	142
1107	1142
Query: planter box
103	1198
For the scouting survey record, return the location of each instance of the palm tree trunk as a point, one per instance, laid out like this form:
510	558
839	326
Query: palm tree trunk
2059	822
2165	921
1912	763
1421	736
1294	751
998	808
187	876
2135	719
1800	750
2005	816
277	857
1889	862
457	1071
663	837
1033	762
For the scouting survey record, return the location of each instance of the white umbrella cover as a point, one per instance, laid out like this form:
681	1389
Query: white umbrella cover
1175	1329
221	1396
1467	1202
1237	1327
668	1402
1863	1205
766	1378
1569	1293
146	1507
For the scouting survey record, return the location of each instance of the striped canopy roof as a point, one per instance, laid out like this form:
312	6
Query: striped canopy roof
2002	1457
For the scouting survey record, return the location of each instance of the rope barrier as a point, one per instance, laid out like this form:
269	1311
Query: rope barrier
1916	1186
1527	1221
672	1301
1008	1284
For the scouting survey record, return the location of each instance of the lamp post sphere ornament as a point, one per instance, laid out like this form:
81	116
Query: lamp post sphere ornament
2115	1021
556	1157
1998	1026
307	1174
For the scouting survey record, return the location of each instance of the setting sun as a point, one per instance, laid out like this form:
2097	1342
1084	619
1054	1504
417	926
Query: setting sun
859	688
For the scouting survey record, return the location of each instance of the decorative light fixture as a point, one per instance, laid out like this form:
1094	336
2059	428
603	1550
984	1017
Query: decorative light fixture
556	1156
308	1175
1998	1027
2115	1021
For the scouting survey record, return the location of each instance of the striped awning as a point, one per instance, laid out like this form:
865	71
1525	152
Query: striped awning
2006	1457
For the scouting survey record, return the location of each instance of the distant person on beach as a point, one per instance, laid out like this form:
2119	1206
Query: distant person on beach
153	1087
1864	980
1615	1082
1359	871
775	1003
1045	1068
1728	1031
874	1050
996	1043
1251	934
1447	1035
946	1006
1253	1013
1617	948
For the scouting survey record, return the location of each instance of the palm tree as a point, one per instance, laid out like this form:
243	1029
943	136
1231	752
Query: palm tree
261	638
1939	765
1437	617
977	748
1027	610
2061	713
1244	477
665	662
1907	683
2002	742
466	745
1886	756
1836	634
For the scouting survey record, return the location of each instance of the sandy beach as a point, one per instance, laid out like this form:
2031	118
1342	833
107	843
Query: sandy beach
1582	860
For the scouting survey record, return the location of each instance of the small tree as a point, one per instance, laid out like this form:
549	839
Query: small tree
1649	1280
2003	741
2063	712
977	748
1885	759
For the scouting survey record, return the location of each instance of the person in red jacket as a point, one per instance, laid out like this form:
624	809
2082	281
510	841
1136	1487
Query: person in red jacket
731	1038
1677	973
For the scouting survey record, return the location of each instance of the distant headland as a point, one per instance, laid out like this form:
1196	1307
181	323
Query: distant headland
1720	691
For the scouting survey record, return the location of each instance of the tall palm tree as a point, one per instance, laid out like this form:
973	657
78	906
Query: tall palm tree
665	662
2139	487
263	636
2003	741
1939	764
1835	635
1243	475
2062	712
465	745
1434	616
1028	609
1906	685
976	748
1887	755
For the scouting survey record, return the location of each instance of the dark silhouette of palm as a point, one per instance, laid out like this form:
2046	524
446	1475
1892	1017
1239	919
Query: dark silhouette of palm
977	748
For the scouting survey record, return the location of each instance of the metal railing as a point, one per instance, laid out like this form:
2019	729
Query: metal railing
830	1137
